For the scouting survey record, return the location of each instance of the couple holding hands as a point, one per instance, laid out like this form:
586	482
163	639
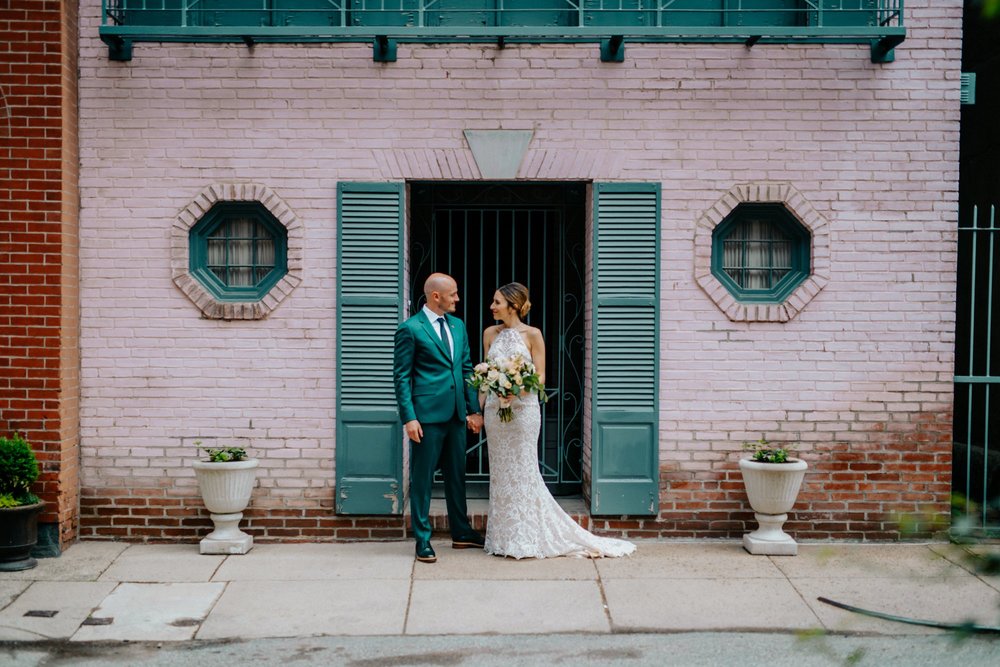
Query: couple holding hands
431	371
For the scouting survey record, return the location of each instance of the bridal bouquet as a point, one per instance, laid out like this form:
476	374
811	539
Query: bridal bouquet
507	378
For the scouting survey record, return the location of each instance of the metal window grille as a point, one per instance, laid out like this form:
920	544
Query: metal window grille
757	254
241	252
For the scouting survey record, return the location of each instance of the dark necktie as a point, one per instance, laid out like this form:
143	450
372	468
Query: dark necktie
444	334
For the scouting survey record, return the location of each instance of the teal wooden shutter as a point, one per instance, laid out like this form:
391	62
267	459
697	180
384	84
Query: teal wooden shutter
369	307
624	428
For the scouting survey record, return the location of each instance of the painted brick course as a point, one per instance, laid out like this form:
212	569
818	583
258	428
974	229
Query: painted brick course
860	378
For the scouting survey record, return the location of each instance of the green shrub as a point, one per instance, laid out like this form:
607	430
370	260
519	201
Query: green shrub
18	471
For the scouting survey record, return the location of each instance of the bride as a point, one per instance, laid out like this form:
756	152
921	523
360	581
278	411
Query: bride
524	520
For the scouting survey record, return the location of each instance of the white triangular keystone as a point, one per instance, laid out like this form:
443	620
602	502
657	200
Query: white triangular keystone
498	153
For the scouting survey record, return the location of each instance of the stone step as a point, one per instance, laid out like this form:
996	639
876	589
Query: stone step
478	510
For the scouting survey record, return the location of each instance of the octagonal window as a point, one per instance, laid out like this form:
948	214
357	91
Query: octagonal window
238	251
760	252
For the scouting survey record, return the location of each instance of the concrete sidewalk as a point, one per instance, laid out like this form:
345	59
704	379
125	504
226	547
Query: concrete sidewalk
116	591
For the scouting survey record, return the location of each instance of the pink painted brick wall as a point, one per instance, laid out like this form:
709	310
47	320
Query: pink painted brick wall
861	377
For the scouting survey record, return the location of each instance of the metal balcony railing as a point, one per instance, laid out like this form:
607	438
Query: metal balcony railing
611	22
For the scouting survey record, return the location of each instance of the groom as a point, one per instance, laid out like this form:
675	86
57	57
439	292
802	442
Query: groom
430	364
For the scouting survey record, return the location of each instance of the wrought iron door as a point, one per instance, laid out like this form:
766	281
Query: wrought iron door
489	235
976	459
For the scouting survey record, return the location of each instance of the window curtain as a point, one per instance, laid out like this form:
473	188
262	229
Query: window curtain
240	252
757	255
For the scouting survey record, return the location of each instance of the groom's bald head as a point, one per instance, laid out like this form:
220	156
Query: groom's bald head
439	282
441	291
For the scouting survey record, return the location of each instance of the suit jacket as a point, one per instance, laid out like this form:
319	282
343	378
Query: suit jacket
430	385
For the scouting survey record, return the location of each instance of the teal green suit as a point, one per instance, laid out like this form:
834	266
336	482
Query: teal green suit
431	388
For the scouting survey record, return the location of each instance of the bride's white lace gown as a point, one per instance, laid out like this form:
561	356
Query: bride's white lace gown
525	521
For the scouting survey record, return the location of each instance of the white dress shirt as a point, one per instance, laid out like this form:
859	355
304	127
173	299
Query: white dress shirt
434	317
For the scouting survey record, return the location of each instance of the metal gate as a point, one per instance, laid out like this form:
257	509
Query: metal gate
976	456
489	235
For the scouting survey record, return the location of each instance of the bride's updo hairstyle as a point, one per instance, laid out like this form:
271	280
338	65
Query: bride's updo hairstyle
516	295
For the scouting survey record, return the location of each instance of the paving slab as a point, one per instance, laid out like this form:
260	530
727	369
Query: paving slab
308	608
508	607
71	602
83	561
152	612
866	561
944	599
966	557
469	564
305	562
9	590
168	592
662	560
706	604
161	563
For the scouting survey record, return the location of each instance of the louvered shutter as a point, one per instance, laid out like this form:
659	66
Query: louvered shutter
624	430
369	308
968	88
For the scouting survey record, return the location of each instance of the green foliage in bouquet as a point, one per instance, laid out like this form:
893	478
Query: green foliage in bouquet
507	379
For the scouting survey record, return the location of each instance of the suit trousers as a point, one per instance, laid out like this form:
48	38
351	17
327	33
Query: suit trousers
444	444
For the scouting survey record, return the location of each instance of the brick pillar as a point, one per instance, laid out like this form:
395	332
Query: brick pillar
39	257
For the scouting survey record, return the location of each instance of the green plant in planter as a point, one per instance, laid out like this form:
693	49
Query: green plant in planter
223	454
18	471
765	452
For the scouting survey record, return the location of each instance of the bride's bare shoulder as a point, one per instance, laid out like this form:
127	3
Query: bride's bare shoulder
489	333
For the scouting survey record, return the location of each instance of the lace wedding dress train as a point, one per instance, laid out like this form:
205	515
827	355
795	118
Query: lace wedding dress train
525	521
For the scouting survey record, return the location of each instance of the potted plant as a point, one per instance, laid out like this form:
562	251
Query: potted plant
19	507
772	479
226	478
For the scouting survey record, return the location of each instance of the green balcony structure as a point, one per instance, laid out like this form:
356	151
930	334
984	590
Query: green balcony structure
610	23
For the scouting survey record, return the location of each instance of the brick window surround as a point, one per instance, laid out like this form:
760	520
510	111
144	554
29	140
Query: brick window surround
211	307
802	210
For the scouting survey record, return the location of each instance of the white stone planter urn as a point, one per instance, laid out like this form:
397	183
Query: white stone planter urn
772	489
225	489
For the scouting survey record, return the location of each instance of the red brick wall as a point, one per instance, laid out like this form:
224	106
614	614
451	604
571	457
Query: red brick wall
39	209
893	483
138	514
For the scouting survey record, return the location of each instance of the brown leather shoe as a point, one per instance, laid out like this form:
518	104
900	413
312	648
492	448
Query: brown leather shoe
425	553
473	541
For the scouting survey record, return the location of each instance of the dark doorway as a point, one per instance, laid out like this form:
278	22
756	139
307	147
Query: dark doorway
976	454
486	235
